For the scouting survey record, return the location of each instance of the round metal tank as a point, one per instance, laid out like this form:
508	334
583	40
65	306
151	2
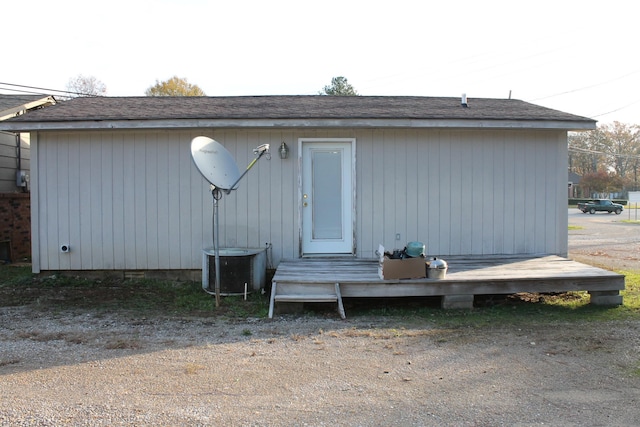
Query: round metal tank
237	267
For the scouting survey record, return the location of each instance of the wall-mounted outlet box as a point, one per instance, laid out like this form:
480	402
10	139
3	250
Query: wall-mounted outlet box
21	178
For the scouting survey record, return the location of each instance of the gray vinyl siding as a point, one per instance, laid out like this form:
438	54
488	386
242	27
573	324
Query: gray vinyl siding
464	192
9	160
133	200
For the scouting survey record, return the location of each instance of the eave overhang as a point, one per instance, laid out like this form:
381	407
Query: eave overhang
296	123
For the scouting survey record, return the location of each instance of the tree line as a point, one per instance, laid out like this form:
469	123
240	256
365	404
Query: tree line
176	86
607	159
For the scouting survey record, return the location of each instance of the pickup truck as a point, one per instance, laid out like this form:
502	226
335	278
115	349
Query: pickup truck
602	205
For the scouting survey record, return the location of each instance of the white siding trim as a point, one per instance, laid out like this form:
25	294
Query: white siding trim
35	206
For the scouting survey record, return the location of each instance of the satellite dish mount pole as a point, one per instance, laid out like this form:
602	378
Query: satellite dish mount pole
216	164
217	195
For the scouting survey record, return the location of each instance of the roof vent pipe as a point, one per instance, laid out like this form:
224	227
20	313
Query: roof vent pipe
464	100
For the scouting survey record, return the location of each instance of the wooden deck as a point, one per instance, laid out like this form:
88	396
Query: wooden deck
331	279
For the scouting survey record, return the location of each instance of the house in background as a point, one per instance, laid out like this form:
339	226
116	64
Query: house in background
15	237
113	181
14	146
574	182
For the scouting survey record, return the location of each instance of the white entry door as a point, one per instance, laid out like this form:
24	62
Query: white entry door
327	196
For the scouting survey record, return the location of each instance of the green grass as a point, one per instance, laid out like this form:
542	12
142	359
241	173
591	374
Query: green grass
519	309
11	275
57	292
18	287
631	294
575	227
571	307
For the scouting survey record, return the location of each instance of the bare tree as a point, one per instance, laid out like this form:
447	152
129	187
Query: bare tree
612	150
86	86
582	159
622	143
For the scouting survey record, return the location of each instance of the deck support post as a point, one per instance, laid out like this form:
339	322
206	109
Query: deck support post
272	300
605	298
340	305
457	301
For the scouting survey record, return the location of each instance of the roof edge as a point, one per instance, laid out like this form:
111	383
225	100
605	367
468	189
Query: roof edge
578	125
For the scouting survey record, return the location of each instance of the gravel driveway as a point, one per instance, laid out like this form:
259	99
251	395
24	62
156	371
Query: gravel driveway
605	239
91	369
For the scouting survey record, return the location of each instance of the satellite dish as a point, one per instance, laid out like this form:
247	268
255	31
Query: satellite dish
214	162
217	166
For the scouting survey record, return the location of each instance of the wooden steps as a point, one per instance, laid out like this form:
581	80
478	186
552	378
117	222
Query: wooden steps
291	292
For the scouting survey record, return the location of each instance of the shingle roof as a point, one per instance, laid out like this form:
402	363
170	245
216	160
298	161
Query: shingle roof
295	109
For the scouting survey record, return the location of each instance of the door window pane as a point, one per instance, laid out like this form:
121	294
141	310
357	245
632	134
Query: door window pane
327	194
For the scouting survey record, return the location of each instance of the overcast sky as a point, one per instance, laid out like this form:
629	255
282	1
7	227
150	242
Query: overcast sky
576	56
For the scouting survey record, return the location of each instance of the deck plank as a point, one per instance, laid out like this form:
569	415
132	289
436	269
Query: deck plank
466	275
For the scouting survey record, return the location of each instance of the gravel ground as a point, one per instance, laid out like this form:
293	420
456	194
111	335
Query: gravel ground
605	240
85	368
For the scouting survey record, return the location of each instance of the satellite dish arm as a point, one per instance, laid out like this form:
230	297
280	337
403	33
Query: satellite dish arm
260	151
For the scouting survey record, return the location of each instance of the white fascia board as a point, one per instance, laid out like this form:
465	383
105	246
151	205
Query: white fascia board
297	123
21	109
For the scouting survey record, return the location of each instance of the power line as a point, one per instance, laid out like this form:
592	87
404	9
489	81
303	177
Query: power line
586	87
22	91
617	109
585	150
596	85
41	88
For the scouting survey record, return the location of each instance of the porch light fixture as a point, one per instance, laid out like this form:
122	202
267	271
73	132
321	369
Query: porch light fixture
284	151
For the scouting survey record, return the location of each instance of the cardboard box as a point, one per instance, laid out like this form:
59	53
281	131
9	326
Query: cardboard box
409	268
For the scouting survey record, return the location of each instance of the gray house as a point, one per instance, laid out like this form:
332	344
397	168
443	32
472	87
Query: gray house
112	179
15	157
15	147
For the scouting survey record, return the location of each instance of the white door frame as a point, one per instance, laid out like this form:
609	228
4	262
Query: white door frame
349	211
